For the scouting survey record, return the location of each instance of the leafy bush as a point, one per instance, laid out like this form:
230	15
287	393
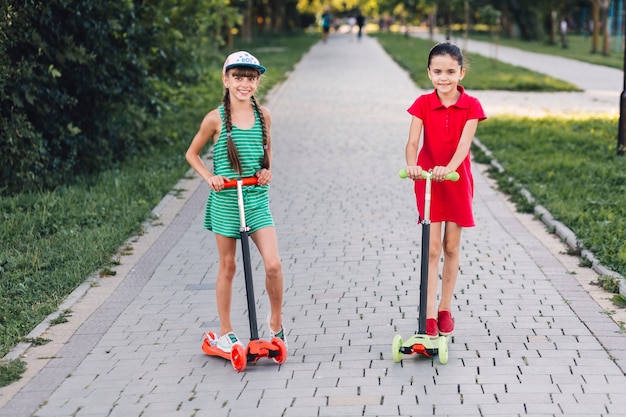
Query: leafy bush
79	80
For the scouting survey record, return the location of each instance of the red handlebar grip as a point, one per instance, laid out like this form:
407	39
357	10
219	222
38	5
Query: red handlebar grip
245	181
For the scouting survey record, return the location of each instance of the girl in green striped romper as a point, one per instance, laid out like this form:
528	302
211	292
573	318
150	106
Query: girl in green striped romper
239	129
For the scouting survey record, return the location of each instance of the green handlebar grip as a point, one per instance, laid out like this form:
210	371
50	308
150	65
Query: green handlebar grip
451	176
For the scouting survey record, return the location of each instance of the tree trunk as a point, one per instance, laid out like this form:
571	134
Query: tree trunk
595	11
605	27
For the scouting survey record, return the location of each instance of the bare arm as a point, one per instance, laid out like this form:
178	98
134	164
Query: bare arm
412	147
265	175
208	132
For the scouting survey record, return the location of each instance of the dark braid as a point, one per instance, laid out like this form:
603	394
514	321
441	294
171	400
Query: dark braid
233	153
265	163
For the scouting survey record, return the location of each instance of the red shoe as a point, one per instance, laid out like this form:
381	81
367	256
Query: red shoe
431	328
445	323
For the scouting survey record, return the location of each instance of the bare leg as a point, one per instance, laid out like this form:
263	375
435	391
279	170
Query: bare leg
267	244
433	269
227	248
451	247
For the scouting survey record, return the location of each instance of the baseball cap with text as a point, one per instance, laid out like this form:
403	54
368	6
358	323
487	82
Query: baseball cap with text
242	59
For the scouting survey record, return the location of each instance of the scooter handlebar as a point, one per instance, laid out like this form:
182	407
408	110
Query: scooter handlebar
451	176
245	181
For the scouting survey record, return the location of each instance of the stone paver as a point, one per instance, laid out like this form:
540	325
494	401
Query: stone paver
529	341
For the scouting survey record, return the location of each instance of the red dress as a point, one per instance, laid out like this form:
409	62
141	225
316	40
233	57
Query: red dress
451	201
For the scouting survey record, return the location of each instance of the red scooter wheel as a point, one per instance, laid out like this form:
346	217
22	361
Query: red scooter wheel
238	357
282	350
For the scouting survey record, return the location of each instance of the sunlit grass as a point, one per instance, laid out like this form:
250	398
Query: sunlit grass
571	167
484	73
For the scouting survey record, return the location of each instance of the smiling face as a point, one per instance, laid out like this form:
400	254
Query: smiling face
445	72
241	82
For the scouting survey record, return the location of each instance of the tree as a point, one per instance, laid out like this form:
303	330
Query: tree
600	10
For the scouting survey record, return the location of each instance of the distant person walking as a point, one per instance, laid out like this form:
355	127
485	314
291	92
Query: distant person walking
564	33
360	22
449	118
327	18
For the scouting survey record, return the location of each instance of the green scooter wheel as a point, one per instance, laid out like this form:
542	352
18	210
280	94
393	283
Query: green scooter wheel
395	348
442	351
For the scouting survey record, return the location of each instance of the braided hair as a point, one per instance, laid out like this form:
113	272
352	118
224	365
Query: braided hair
233	153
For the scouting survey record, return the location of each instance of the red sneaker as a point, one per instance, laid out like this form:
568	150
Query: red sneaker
445	323
431	328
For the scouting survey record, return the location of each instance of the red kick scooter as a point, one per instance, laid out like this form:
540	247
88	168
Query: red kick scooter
256	348
421	343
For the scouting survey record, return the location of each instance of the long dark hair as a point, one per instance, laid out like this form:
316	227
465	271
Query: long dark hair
233	153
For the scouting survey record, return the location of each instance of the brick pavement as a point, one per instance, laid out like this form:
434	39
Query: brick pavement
530	341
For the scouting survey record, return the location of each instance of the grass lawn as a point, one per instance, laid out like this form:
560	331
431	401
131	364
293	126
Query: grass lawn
579	48
571	167
483	73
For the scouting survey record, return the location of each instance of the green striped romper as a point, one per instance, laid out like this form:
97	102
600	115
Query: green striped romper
222	214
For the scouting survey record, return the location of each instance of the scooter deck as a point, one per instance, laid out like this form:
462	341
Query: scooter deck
255	350
259	348
213	350
421	344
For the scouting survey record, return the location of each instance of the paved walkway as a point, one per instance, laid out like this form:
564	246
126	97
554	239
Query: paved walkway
530	341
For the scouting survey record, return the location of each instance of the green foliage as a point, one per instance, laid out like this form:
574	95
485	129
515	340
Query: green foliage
79	80
620	301
11	371
483	72
571	167
67	64
610	284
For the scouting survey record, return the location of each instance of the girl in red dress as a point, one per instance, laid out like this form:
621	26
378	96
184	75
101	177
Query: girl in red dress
449	118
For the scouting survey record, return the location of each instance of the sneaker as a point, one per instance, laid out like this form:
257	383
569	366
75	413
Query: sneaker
431	328
445	322
281	334
227	341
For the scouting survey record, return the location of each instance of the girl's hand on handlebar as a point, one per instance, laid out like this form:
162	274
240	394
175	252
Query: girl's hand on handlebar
414	172
264	176
216	182
439	173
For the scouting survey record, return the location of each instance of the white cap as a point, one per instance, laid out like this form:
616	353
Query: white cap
242	59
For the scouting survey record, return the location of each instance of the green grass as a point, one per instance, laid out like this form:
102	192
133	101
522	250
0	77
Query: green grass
579	48
570	166
483	72
52	241
11	371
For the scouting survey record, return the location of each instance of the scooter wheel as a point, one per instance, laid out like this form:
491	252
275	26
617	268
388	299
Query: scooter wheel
395	348
282	350
238	357
442	351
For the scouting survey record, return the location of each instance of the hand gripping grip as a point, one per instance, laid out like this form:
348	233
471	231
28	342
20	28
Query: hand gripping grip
451	176
245	181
